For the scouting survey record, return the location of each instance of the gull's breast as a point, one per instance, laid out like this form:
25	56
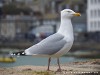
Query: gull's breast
64	50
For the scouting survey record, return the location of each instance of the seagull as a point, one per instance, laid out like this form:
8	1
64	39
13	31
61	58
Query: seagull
57	44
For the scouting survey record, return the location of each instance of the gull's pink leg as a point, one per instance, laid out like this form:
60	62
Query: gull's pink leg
59	69
49	60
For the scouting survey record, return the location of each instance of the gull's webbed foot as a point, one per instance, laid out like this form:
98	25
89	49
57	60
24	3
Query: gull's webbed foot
59	70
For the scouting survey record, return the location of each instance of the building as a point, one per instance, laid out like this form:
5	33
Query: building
15	24
49	9
1	5
35	5
93	15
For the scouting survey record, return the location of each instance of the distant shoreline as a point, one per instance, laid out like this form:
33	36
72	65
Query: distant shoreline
76	46
90	67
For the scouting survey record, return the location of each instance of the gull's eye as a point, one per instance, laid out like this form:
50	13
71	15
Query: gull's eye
68	11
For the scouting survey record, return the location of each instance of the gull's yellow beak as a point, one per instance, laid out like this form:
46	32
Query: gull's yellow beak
77	14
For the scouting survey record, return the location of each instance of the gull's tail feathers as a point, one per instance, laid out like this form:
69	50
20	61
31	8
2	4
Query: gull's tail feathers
21	53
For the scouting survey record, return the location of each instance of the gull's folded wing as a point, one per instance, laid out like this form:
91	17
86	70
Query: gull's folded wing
48	46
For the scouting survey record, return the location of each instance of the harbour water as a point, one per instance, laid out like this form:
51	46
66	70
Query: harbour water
38	61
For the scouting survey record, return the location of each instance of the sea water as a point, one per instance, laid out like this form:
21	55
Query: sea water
38	61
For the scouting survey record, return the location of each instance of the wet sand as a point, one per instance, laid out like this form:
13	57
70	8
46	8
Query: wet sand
90	67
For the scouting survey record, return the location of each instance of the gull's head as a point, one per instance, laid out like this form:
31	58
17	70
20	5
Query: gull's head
68	13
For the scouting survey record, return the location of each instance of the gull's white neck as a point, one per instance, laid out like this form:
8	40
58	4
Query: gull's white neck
66	28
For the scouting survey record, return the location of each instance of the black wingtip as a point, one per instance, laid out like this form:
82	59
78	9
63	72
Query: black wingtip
21	53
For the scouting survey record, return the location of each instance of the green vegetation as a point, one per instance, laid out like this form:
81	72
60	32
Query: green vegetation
37	72
12	9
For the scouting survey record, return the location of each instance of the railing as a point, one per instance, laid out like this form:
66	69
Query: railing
11	29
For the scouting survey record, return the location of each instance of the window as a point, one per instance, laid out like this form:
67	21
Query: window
91	25
98	1
98	24
98	12
91	1
94	23
95	13
95	1
91	13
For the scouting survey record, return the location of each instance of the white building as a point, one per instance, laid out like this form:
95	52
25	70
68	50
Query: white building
93	15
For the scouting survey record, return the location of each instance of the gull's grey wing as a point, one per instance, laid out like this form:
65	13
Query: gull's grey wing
48	46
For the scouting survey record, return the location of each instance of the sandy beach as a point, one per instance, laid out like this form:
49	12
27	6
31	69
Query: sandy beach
90	67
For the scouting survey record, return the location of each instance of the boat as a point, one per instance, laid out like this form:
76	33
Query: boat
7	59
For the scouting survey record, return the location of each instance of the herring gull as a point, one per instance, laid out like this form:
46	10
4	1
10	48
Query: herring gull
57	44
